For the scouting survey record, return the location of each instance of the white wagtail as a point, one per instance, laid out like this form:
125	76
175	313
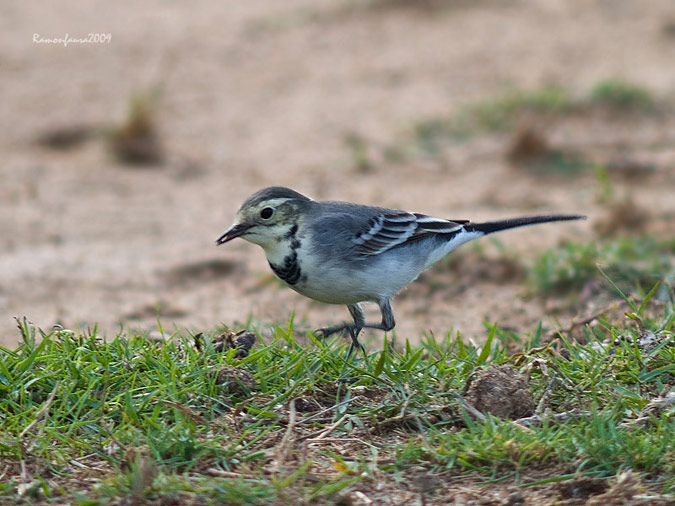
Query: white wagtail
343	253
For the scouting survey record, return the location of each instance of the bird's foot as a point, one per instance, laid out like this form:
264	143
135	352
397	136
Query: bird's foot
326	332
350	330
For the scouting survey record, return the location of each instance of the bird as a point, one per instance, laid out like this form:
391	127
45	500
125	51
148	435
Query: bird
346	253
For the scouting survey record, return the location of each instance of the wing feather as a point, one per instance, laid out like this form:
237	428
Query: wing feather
390	229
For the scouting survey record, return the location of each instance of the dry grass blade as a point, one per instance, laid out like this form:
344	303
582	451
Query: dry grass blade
41	413
547	394
656	408
326	432
186	411
558	417
284	448
326	410
468	407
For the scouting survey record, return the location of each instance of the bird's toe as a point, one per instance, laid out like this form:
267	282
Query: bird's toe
326	332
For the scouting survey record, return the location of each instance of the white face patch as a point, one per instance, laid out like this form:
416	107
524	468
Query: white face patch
271	223
270	237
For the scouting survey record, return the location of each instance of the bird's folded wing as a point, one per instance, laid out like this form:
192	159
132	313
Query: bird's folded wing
391	229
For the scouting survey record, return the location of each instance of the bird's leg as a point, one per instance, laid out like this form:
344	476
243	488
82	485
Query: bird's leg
388	321
352	328
355	328
359	324
359	319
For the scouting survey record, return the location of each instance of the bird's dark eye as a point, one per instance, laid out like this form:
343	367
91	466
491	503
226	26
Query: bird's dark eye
266	213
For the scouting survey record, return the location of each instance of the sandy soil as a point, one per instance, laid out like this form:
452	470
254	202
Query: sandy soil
264	92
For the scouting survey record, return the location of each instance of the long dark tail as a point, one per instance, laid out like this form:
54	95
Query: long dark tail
497	226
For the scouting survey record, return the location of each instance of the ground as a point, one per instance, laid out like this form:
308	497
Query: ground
259	93
315	96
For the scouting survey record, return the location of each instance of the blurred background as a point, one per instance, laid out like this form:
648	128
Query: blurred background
128	146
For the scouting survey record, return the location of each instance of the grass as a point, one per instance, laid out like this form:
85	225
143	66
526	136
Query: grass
538	108
619	94
88	420
628	260
503	112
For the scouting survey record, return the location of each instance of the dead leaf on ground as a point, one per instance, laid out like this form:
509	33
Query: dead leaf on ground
241	341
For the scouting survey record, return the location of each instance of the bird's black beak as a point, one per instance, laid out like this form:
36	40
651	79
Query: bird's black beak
234	232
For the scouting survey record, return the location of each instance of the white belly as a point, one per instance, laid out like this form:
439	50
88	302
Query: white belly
333	279
335	282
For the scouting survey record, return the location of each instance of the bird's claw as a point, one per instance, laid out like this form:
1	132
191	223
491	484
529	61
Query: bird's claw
347	330
326	332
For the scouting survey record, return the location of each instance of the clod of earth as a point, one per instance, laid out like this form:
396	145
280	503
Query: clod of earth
236	381
501	391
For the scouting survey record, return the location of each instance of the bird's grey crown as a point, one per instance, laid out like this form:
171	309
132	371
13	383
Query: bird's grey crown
273	192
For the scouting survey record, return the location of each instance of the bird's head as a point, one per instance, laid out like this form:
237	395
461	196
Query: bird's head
267	216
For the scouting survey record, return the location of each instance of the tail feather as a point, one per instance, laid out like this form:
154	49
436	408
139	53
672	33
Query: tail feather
497	226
